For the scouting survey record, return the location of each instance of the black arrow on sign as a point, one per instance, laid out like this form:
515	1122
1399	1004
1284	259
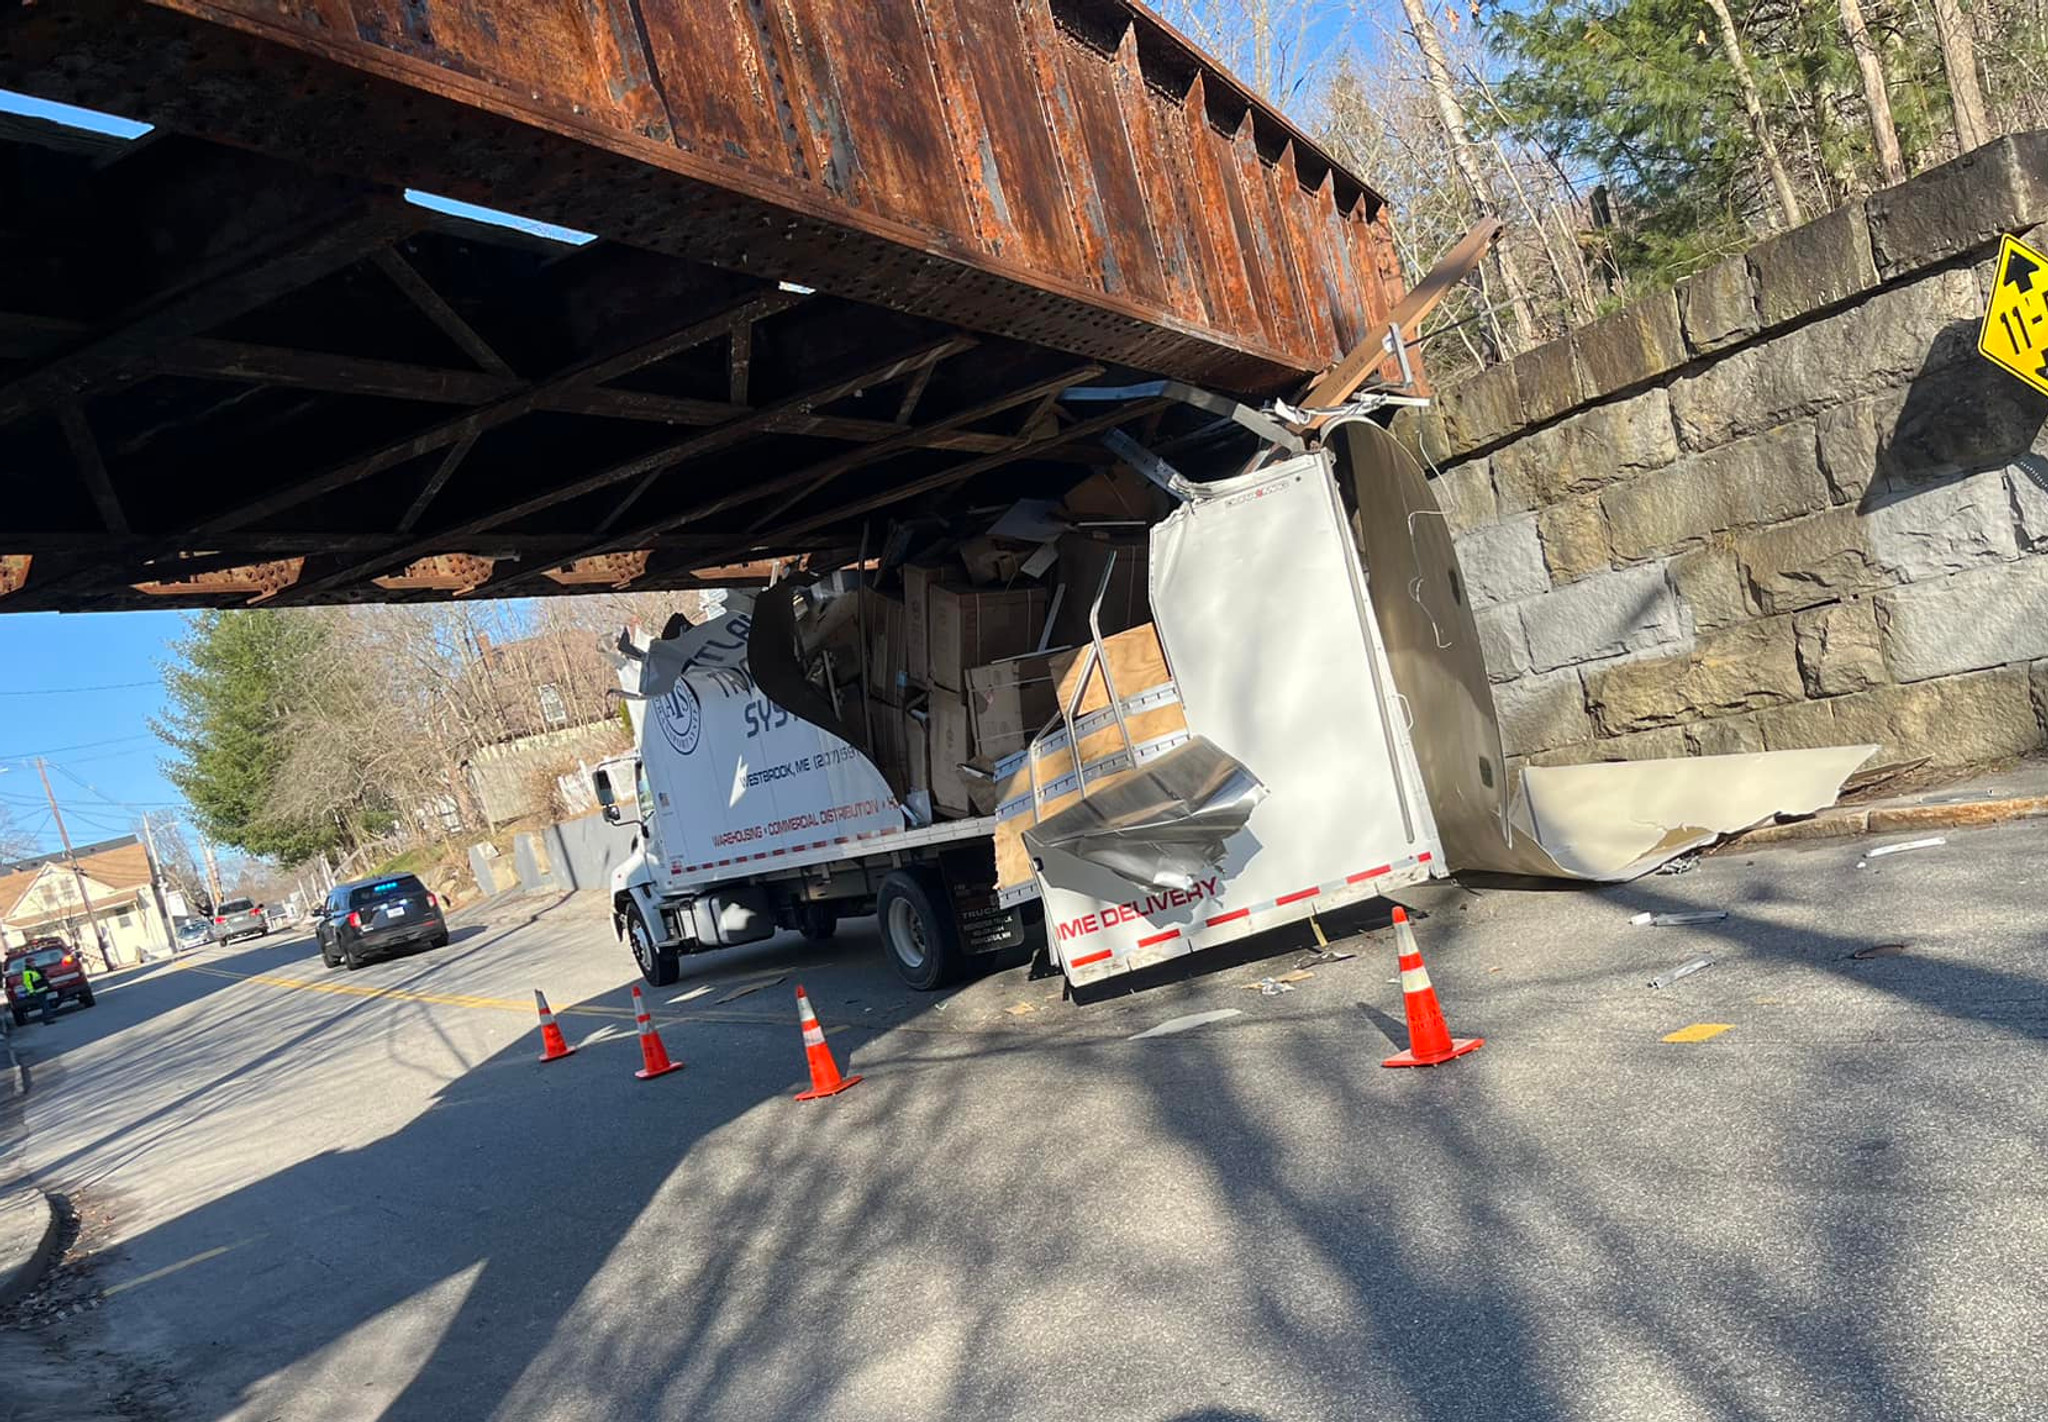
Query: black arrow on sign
2020	272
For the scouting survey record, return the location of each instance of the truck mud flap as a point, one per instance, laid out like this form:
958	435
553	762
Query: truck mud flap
985	925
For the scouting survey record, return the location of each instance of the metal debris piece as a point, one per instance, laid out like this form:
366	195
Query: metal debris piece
1328	955
1684	970
1878	950
1187	1023
1268	987
740	992
1683	864
1884	849
1674	920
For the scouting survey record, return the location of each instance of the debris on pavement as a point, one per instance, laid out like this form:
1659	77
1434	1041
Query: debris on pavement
1683	864
1020	1009
1328	955
1684	970
1268	987
1878	950
1676	920
1188	1023
739	992
1884	849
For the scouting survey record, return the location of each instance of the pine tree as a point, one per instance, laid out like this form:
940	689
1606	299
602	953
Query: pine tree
229	727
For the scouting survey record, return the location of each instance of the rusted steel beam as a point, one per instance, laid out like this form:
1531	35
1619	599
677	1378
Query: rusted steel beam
802	483
85	452
342	241
1070	173
435	308
941	479
608	367
338	374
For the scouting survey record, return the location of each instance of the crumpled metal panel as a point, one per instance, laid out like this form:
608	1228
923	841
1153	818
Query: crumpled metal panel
946	157
1160	826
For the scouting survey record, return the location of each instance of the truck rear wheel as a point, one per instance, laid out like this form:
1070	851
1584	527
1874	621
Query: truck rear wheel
660	966
923	942
817	922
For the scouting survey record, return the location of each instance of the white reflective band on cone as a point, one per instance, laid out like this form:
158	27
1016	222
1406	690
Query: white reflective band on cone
1414	979
812	1036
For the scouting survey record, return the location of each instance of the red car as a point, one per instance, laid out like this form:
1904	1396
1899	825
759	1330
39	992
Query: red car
60	967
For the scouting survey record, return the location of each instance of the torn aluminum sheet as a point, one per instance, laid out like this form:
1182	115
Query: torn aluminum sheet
1609	821
1162	826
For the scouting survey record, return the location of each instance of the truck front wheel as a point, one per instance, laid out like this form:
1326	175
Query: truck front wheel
924	944
660	966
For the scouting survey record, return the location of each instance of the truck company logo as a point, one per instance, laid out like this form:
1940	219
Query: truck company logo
681	718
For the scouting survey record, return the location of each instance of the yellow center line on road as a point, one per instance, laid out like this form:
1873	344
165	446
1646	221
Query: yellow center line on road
665	1012
444	999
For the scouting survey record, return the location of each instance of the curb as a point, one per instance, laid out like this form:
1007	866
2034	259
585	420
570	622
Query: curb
14	1076
1847	821
29	1230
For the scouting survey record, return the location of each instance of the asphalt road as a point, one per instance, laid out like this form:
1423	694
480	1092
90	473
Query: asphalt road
322	1195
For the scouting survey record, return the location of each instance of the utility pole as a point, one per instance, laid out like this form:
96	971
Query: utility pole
212	871
100	944
156	886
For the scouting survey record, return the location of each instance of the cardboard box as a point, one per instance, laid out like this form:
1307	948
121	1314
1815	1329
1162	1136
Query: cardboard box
1125	604
971	628
1113	494
888	669
1137	663
951	743
1009	702
917	584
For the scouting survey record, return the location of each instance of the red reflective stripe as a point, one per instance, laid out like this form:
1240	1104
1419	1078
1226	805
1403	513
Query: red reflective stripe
1422	858
1230	917
1410	962
1369	874
1296	897
1166	937
1093	958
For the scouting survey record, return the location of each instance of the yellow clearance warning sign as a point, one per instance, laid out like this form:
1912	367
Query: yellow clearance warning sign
2015	330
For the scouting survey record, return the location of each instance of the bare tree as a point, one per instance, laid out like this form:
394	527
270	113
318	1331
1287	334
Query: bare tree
1266	43
1884	135
1781	181
1457	133
1959	62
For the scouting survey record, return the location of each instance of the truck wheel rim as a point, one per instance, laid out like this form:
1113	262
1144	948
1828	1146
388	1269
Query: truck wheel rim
642	952
906	933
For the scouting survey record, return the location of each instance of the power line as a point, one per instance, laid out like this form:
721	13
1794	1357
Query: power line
82	745
81	690
92	789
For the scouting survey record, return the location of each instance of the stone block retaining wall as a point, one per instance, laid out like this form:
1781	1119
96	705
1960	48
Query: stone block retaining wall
1784	505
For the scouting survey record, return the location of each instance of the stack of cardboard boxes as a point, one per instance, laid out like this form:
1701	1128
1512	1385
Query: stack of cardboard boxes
961	664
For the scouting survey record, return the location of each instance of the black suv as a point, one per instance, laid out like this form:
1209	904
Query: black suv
375	916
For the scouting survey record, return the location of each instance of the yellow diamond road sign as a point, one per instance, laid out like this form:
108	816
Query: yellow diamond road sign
2015	330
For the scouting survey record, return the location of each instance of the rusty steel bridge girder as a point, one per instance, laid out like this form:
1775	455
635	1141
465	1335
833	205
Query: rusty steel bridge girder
848	256
1072	173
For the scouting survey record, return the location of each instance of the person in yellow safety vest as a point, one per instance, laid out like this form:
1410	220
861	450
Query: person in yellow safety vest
34	987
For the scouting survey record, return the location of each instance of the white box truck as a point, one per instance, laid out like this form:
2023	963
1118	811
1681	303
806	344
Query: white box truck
753	819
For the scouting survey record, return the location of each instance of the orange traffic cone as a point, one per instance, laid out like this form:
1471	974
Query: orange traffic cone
550	1035
1429	1038
825	1078
652	1052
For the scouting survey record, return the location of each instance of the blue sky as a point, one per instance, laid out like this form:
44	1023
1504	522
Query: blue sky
71	694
